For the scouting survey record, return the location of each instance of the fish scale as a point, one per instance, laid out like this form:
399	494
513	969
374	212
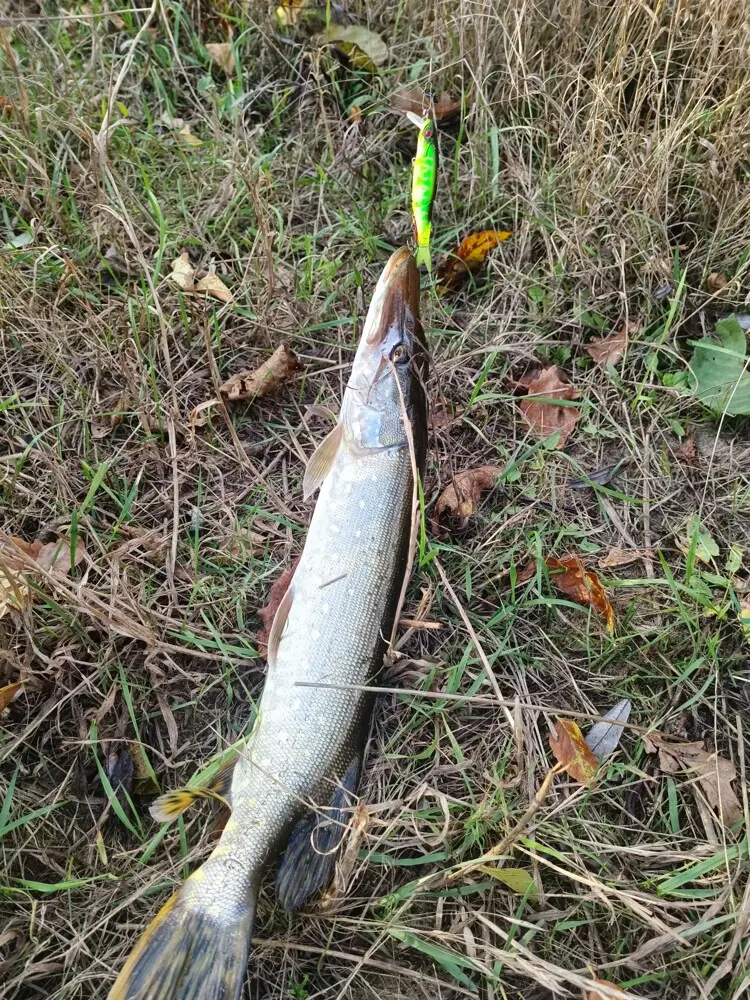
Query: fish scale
291	784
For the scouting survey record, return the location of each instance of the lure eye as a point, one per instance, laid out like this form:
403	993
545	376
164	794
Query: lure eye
398	354
428	133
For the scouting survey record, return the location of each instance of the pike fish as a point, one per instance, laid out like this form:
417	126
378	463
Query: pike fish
293	785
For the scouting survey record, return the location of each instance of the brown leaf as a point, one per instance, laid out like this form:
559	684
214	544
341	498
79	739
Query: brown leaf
183	275
248	385
544	418
103	424
599	995
414	99
715	774
55	556
467	258
213	285
9	693
14	589
609	350
624	557
268	613
223	55
571	751
463	494
716	282
578	583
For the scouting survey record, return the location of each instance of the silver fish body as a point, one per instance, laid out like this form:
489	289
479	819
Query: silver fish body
331	629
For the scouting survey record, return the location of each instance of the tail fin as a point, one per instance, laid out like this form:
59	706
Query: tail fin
190	951
423	256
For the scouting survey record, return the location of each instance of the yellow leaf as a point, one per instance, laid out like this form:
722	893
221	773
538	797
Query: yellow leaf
223	55
188	138
517	879
362	47
467	258
9	693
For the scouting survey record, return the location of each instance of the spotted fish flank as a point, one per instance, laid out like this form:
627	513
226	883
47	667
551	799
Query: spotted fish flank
295	780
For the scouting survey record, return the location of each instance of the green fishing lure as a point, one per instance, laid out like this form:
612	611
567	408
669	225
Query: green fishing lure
423	186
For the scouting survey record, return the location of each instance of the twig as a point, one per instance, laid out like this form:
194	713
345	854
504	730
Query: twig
102	137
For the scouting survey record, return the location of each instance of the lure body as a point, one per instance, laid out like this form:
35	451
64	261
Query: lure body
423	187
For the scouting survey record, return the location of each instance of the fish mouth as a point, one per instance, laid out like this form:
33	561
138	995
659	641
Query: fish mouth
400	303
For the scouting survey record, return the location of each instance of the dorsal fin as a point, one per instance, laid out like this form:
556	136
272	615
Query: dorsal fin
279	623
321	461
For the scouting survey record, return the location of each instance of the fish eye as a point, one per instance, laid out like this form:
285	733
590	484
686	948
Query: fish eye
398	354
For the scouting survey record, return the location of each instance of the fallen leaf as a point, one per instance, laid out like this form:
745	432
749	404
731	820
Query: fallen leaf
268	613
415	100
599	995
54	557
290	12
599	478
363	48
517	879
355	114
200	415
6	106
604	737
248	385
14	589
144	779
467	258
183	275
187	137
575	581
715	774
545	417
212	285
572	753
609	350
699	540
9	693
744	618
223	55
624	557
719	378
103	424
715	282
118	767
462	495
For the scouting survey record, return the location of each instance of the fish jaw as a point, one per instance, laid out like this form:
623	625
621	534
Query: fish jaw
386	384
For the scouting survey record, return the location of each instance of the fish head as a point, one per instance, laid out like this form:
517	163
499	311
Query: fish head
386	387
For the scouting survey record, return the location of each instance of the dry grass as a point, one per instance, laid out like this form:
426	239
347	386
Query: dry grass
613	140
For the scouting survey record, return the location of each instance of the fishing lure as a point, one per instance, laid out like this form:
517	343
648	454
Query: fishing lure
423	186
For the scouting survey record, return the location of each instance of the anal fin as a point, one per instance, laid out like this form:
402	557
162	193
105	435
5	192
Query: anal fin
311	852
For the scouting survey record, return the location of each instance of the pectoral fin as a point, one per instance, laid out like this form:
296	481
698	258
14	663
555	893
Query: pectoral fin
321	461
311	853
173	804
279	623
